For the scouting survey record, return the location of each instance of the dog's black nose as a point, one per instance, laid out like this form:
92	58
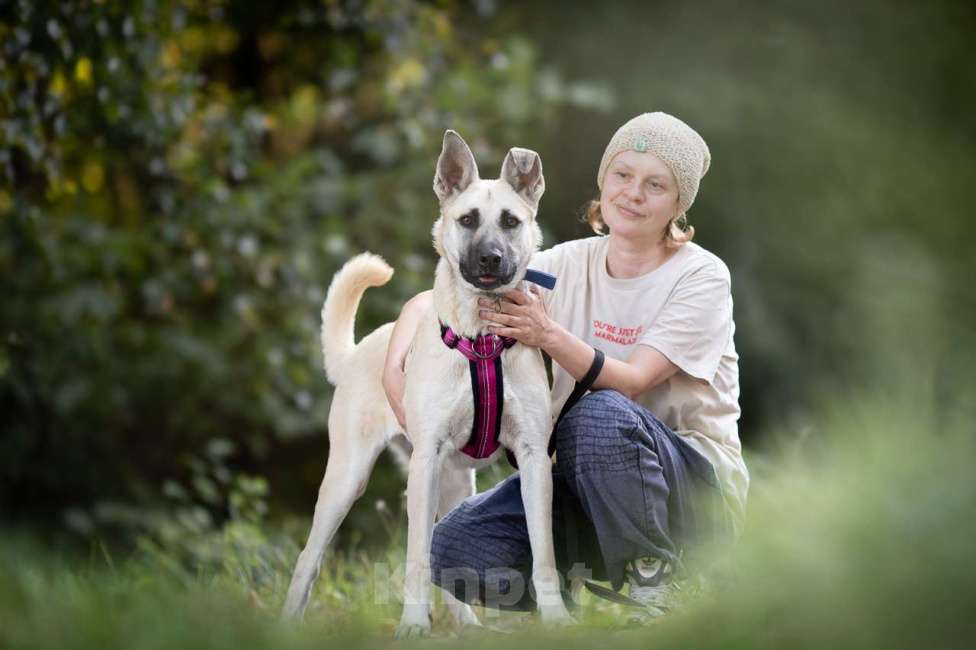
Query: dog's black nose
490	262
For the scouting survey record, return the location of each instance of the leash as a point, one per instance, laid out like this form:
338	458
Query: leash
487	389
569	516
579	390
611	595
487	383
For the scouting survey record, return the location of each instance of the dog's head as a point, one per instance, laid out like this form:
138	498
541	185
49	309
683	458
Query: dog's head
487	229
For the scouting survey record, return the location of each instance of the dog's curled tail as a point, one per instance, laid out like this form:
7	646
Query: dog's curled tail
341	302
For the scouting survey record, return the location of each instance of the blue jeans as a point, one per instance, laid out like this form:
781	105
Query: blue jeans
624	486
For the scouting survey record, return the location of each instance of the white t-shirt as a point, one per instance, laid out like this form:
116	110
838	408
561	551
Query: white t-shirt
683	309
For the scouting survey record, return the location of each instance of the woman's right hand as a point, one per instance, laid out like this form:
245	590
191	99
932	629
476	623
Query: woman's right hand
394	378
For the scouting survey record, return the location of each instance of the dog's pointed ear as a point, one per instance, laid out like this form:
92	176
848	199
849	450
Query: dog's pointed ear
522	170
456	168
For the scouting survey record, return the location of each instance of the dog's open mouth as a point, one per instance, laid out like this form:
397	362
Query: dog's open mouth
483	281
490	282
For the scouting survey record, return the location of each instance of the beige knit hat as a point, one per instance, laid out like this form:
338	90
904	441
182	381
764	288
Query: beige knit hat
671	140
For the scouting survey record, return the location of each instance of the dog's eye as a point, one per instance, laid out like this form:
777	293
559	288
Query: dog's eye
508	221
469	220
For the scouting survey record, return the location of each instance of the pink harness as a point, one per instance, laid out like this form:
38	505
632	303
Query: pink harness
484	355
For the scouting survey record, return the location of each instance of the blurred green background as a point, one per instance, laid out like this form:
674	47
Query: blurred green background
180	180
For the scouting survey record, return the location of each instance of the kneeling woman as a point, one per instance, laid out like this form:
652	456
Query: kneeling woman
648	464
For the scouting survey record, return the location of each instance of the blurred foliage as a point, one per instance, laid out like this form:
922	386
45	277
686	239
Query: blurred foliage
863	543
843	141
181	180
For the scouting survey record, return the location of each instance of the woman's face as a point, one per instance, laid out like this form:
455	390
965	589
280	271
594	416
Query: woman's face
639	196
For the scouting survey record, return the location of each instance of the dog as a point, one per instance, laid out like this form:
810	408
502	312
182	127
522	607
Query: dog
485	237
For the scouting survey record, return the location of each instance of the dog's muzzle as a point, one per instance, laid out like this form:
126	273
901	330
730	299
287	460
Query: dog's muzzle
487	269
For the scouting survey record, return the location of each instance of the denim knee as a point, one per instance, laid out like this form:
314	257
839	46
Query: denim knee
446	551
595	431
445	546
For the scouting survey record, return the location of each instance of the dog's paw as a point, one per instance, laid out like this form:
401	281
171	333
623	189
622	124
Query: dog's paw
557	617
470	629
412	631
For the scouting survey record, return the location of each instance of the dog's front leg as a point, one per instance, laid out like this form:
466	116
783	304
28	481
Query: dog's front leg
422	499
456	484
536	470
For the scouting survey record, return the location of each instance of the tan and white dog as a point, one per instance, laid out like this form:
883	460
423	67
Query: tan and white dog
485	236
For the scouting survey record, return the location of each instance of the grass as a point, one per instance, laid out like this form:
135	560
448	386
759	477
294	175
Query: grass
861	535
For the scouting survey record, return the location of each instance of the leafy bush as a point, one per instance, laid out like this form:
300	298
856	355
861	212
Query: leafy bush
184	179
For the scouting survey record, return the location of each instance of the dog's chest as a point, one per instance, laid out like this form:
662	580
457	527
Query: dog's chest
461	400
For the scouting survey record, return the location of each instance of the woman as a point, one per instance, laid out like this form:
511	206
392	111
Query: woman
649	462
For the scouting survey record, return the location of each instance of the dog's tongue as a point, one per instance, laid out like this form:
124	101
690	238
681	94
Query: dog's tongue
531	275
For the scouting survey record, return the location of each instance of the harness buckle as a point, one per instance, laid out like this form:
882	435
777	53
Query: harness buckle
494	348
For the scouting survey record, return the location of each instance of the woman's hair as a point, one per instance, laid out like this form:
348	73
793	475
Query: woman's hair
677	233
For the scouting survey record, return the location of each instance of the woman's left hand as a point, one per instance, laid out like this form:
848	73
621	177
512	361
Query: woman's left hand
522	317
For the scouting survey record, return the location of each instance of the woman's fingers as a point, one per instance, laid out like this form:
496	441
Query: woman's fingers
517	296
499	317
496	306
512	302
518	314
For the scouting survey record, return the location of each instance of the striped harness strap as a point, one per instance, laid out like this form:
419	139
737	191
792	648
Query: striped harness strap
484	355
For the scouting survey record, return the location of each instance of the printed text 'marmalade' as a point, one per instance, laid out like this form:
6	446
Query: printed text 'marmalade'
615	333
